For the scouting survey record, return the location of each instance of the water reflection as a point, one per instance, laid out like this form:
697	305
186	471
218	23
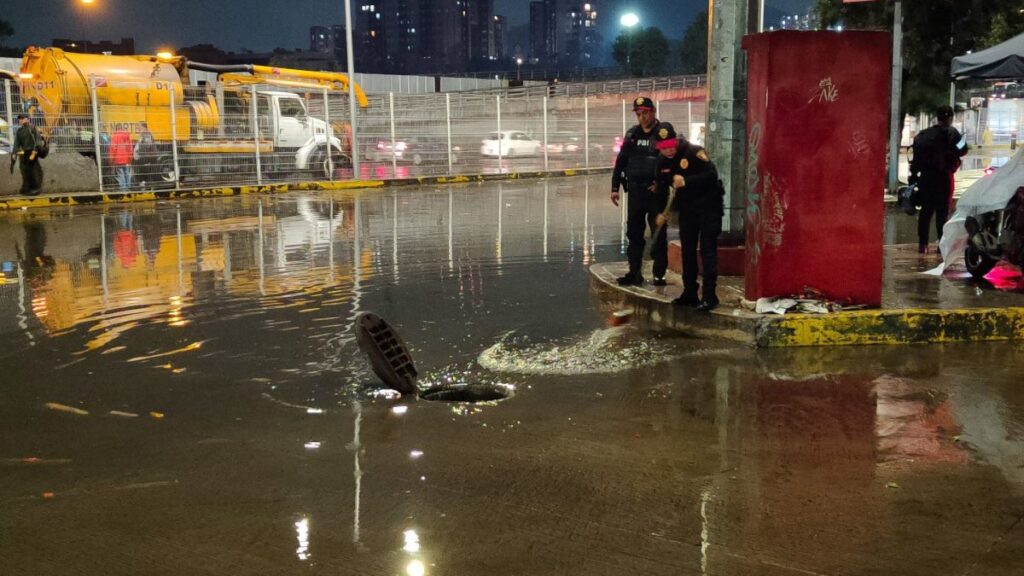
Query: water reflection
253	400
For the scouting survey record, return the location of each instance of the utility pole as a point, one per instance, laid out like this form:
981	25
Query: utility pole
351	91
895	124
728	22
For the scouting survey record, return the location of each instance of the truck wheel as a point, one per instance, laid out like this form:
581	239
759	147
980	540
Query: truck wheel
165	168
978	263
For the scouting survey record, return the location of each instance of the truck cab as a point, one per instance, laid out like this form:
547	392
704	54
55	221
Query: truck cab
285	121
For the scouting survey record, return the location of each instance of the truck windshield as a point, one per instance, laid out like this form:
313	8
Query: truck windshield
292	107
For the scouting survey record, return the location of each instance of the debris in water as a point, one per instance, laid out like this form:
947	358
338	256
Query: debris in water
66	408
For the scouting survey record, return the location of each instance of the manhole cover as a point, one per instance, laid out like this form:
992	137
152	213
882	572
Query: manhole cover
467	393
388	354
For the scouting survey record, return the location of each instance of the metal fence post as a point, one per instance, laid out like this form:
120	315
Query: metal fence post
546	167
448	122
95	130
500	140
586	132
623	118
394	152
330	134
9	103
174	141
689	117
256	134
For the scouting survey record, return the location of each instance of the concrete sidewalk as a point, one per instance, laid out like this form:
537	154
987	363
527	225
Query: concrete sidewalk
916	308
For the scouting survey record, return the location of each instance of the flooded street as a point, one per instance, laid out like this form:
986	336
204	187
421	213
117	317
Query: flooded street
181	392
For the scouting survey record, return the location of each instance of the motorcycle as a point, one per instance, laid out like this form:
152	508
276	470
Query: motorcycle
994	236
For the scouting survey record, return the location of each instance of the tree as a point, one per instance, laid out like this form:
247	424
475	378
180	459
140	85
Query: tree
934	32
645	51
693	54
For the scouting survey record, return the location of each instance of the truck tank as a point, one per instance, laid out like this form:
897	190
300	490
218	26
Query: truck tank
55	85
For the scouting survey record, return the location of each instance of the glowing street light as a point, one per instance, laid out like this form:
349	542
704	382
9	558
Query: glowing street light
628	21
519	66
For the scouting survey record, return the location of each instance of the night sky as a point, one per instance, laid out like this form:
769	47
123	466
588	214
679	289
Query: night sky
262	25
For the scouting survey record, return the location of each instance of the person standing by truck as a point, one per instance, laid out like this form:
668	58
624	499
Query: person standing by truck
27	142
121	152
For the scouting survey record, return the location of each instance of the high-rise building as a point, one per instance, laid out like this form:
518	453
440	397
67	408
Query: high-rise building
369	42
581	36
481	27
320	39
498	43
538	32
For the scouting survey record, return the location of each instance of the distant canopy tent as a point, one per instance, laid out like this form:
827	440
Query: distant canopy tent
1001	62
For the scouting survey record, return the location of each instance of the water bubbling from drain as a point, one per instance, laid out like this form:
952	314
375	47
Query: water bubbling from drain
604	351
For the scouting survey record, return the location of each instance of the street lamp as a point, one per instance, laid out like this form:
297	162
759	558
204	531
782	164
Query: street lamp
628	21
519	67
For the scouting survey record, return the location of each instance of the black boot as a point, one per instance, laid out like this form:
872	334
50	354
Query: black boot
708	304
630	279
688	298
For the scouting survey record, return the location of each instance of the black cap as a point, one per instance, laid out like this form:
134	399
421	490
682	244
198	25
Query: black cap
944	112
666	136
643	103
22	117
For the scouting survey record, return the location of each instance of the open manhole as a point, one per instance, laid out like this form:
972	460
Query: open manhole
467	393
392	363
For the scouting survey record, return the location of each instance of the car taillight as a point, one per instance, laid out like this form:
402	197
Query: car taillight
989	171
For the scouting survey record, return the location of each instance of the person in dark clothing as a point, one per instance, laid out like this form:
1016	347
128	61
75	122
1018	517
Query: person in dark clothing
937	153
698	197
26	148
636	165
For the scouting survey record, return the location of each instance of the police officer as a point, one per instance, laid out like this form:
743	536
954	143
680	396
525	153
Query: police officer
26	148
700	201
937	152
636	163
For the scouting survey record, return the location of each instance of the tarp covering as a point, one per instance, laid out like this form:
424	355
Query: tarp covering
990	193
1001	62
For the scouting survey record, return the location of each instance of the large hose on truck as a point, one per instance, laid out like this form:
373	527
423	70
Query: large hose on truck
220	68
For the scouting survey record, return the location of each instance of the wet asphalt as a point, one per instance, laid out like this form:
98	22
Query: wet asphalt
181	393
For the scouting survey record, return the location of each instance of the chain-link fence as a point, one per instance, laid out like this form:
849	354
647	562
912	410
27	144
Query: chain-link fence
157	134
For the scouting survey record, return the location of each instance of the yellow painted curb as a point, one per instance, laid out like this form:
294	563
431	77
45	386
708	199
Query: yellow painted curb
73	199
893	327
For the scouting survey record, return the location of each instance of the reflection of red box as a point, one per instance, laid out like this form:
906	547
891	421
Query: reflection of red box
817	125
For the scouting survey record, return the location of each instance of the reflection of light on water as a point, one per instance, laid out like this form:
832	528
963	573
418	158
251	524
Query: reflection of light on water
601	352
302	533
412	542
416	568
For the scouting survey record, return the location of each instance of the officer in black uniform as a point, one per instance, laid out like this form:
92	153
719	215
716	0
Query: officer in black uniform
636	163
700	202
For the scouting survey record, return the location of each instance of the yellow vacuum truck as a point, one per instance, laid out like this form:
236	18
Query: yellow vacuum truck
211	125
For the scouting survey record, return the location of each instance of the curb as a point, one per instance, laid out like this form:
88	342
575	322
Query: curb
852	328
79	198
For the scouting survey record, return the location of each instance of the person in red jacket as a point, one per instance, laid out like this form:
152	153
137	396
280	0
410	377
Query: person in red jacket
121	151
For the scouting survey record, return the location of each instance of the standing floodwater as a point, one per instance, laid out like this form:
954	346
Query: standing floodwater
181	390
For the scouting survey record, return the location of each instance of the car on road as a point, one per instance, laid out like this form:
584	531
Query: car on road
564	143
414	149
508	144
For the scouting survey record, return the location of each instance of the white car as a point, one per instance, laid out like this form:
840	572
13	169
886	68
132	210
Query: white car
512	143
